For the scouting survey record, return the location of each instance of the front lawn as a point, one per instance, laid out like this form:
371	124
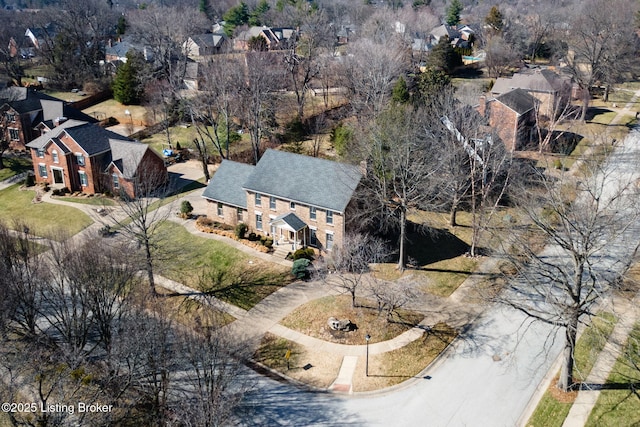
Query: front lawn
619	403
311	319
14	166
43	219
213	266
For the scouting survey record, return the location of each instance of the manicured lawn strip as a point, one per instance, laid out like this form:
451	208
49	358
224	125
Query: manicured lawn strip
13	166
311	319
42	218
213	266
94	201
395	367
555	405
621	407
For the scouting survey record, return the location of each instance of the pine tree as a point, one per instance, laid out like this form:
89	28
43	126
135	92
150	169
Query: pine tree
126	88
494	19
443	57
400	92
453	12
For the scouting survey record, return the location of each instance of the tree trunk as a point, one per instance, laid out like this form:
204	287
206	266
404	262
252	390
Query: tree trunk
403	238
565	382
149	268
586	97
607	89
353	299
452	215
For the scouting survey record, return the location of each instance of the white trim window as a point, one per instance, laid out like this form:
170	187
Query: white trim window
240	214
220	209
258	199
116	181
313	216
80	159
42	170
14	134
272	203
84	180
41	152
258	221
329	237
313	237
54	155
329	217
292	206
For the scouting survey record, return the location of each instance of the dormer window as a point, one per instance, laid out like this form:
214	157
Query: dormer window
54	154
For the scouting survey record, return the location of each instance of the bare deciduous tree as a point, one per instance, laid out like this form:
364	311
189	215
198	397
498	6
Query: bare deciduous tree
591	225
348	263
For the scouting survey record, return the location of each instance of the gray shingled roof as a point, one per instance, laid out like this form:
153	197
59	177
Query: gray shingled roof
93	139
127	155
307	180
208	39
519	100
226	184
291	219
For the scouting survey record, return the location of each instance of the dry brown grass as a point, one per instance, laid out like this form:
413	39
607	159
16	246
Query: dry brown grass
312	367
311	319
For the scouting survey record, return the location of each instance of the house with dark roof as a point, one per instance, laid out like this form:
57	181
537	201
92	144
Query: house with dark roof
297	200
552	90
84	157
275	38
27	113
205	44
512	115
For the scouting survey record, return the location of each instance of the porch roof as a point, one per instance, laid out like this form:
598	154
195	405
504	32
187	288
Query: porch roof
289	221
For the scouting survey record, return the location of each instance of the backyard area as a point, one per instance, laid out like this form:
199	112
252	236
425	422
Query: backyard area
14	166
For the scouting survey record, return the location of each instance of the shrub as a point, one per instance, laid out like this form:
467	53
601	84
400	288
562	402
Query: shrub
241	230
304	253
186	208
30	180
268	243
300	268
253	237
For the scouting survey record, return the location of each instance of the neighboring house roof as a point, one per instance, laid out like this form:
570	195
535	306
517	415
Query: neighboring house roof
25	100
209	40
518	100
308	180
127	156
226	184
445	30
543	80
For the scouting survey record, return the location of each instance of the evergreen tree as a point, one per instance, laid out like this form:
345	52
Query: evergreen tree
494	19
453	12
126	87
121	27
203	6
258	13
400	93
431	84
443	57
234	17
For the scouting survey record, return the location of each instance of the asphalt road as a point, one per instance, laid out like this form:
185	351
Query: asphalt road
487	380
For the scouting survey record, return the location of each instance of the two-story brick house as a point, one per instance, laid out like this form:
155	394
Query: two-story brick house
24	109
513	117
298	200
84	157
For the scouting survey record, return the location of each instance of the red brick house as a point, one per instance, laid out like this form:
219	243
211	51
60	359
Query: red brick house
298	200
23	111
84	157
513	117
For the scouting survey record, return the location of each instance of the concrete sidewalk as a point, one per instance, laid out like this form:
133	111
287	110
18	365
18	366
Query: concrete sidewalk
627	313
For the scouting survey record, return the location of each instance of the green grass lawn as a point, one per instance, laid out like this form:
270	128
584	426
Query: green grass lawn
554	406
621	407
93	201
44	219
213	266
13	166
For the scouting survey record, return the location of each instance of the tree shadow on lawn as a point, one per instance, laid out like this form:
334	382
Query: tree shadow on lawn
427	245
